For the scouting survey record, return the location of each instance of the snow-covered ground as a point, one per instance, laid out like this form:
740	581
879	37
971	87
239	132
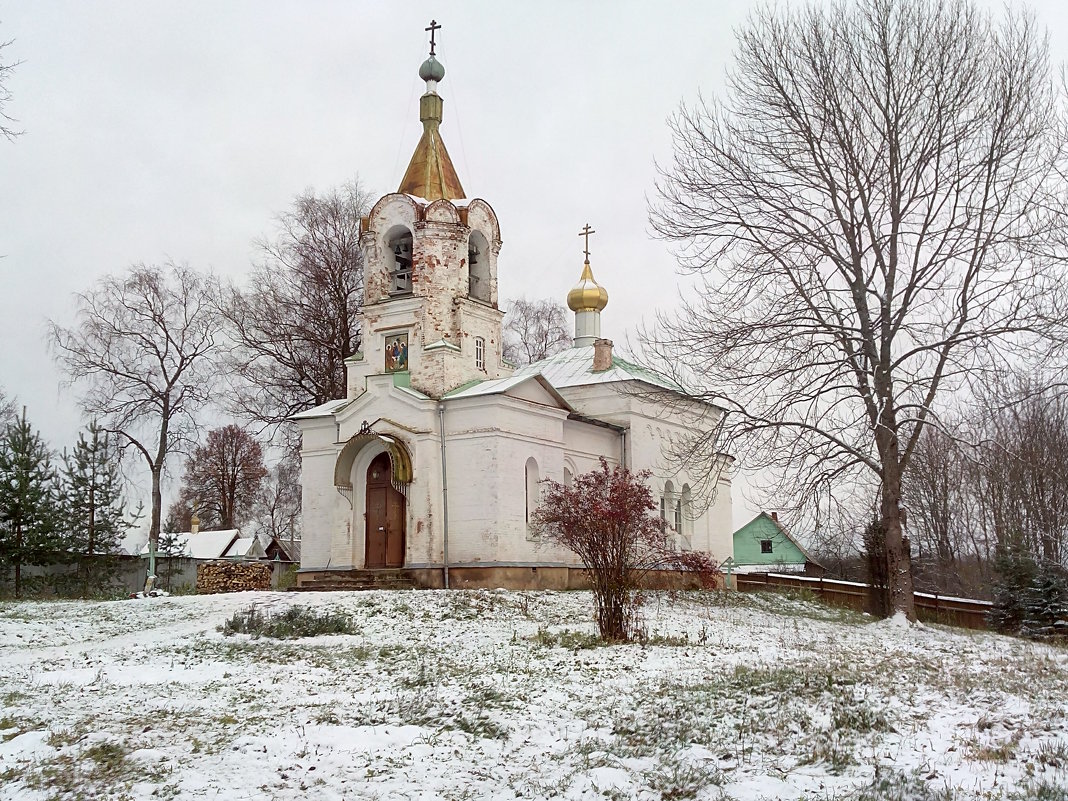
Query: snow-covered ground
501	695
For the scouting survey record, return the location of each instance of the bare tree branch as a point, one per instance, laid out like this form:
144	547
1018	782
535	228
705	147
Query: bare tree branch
297	319
534	330
7	69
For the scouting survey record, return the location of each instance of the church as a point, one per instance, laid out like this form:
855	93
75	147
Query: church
430	467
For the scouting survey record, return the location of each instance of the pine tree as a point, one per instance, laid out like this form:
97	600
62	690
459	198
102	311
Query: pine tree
1045	603
94	509
1016	572
28	507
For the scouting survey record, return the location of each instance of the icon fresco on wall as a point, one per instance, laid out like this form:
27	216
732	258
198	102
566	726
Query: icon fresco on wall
396	353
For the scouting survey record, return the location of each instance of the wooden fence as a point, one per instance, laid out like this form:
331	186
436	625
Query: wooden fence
966	612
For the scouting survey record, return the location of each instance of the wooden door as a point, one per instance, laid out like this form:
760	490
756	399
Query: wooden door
385	517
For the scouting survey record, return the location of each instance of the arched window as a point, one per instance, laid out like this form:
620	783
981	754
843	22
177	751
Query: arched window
480	353
399	242
533	491
569	477
686	541
667	503
478	267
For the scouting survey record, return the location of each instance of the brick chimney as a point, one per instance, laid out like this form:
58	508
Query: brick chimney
775	516
602	355
194	524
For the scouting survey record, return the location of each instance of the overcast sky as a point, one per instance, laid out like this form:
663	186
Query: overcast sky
179	130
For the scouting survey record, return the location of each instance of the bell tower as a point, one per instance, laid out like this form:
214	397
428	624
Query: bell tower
430	315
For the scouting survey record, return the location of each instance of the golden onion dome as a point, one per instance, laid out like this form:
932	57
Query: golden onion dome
587	295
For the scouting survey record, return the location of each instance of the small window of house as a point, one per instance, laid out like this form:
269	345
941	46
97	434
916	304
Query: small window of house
480	353
765	546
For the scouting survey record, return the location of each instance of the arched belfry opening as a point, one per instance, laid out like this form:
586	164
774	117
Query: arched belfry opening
478	268
399	260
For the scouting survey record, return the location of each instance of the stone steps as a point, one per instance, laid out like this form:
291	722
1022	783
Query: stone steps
354	580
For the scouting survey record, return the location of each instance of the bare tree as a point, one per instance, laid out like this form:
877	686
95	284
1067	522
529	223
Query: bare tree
142	351
278	510
223	477
7	69
992	483
534	330
875	204
1023	467
297	320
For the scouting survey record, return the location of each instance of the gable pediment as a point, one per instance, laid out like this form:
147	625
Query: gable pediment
530	388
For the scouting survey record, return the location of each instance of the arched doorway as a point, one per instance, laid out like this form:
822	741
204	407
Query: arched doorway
385	517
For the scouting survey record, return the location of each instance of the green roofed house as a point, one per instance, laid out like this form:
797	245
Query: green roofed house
763	545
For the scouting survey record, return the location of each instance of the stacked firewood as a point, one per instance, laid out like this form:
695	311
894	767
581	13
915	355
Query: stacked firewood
215	577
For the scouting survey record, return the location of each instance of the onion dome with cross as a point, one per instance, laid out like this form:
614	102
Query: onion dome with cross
587	295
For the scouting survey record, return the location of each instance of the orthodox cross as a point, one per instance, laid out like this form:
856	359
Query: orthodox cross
434	27
586	231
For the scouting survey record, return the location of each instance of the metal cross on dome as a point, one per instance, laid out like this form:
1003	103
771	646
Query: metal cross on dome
586	231
434	28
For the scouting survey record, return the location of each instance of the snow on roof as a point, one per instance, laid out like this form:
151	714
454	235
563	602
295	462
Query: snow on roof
322	410
573	367
498	386
413	392
777	568
240	547
203	544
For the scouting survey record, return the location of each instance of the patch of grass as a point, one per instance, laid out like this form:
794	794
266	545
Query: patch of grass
479	726
569	639
9	775
327	716
675	780
894	785
101	771
1040	791
832	750
665	640
12	698
858	716
994	750
60	738
1053	755
788	603
293	623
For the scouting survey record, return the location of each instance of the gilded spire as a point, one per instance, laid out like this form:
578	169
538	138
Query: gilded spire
430	173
